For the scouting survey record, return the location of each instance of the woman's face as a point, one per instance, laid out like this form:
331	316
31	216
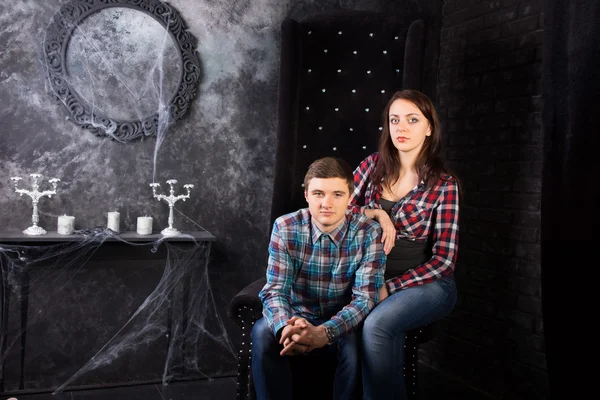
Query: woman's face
408	126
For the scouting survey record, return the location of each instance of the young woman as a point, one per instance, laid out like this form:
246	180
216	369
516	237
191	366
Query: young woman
408	191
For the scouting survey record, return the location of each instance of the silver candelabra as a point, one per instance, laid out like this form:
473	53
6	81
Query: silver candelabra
171	199
35	195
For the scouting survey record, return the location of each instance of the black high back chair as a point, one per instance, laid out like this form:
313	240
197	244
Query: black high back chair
338	69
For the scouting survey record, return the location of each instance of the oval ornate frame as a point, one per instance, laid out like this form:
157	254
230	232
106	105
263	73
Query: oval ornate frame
56	43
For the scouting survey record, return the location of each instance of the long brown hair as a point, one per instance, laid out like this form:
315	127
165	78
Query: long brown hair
429	164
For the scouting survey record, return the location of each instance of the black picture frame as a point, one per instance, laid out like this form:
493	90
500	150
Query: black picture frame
56	42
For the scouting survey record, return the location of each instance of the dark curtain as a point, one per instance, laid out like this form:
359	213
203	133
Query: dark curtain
570	200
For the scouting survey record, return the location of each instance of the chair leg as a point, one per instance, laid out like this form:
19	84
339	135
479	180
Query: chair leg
245	320
411	370
242	377
251	392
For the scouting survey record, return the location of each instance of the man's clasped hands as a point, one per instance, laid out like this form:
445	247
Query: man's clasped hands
299	336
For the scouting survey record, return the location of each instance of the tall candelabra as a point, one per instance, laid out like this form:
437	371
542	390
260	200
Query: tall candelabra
171	199
35	195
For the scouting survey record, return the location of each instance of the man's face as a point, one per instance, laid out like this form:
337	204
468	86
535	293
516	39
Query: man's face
327	200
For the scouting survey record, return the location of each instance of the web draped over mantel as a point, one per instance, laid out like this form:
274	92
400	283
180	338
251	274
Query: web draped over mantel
155	311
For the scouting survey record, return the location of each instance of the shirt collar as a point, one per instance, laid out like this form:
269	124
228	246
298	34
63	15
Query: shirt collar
335	235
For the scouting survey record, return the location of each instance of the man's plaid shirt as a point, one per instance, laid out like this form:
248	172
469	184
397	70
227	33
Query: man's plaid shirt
332	278
418	216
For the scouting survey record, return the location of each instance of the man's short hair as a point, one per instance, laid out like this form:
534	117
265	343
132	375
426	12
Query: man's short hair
330	167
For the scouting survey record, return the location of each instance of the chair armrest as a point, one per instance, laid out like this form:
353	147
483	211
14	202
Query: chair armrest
247	297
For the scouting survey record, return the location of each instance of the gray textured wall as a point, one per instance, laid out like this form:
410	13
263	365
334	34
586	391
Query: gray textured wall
224	145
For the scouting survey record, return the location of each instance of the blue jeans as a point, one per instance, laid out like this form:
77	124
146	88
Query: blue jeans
272	374
384	334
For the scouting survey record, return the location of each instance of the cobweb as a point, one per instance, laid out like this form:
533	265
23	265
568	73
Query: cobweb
177	325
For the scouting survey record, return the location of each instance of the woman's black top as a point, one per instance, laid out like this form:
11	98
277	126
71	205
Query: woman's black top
406	254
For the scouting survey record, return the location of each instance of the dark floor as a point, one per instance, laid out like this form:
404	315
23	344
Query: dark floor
433	385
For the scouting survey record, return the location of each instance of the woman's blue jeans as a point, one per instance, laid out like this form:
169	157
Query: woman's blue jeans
272	373
384	334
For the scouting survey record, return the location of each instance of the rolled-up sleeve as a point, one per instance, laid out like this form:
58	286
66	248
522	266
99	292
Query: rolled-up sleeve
362	179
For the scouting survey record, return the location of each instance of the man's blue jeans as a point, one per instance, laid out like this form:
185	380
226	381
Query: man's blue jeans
272	374
384	334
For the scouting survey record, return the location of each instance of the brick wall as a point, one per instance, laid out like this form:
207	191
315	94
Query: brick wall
489	98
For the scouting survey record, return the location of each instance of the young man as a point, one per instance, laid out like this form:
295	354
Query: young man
324	272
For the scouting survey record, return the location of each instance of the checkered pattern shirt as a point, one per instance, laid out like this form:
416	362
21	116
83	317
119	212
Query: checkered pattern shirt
420	215
333	278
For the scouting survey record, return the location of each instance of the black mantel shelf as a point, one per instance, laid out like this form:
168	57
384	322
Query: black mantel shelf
53	236
16	280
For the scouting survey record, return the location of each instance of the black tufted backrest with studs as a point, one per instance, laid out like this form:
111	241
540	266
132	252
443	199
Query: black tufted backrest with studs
338	70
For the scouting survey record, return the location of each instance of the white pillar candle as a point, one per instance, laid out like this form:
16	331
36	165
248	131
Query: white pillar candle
66	224
144	225
113	221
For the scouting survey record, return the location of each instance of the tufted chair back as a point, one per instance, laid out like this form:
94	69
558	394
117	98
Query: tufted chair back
338	70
